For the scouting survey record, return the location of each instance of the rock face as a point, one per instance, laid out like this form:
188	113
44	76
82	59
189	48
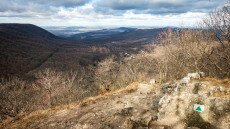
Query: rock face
141	106
176	107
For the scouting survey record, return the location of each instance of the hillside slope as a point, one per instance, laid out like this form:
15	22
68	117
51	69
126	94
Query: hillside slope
24	47
146	105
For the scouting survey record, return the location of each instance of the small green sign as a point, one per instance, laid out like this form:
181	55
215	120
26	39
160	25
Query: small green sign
198	107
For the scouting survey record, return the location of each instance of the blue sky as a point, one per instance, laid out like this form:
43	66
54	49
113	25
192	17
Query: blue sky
106	12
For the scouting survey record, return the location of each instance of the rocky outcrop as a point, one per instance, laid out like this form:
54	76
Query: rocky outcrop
142	106
176	107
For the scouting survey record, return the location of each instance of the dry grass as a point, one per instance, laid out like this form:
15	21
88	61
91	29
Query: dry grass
126	90
22	121
216	82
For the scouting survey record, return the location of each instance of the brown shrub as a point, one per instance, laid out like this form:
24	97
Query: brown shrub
180	52
177	53
118	74
50	88
188	51
17	96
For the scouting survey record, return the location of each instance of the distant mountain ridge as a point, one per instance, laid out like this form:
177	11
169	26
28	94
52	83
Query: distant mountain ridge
63	31
117	34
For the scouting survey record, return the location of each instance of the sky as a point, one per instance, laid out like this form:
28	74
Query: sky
107	12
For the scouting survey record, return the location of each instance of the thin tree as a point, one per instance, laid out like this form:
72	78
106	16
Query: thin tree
218	22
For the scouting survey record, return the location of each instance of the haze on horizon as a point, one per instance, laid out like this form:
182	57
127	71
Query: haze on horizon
106	12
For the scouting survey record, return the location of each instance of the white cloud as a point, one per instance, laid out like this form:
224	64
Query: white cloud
93	14
86	15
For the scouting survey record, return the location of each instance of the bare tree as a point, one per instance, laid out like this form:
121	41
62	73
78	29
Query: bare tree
57	83
70	77
180	52
50	80
218	22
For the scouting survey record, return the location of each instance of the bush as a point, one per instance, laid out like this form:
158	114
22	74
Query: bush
177	53
113	74
181	52
17	96
48	88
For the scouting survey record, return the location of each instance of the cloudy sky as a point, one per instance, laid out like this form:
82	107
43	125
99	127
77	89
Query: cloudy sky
106	12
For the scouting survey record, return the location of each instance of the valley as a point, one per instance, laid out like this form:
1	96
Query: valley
25	48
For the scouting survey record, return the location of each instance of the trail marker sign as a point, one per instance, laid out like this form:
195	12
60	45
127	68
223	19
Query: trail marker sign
198	108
